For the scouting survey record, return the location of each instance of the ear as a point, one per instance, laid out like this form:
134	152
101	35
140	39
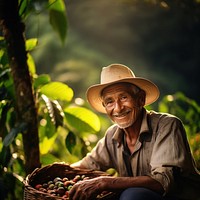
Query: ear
141	98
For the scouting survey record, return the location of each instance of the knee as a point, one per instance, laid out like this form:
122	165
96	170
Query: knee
139	194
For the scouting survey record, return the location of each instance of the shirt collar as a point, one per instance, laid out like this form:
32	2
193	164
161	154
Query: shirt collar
144	126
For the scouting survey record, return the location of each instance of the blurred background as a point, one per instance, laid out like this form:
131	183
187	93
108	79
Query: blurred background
156	40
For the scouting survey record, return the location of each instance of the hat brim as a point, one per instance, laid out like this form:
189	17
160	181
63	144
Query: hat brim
94	92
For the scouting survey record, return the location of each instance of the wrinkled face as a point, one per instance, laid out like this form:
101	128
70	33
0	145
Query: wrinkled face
123	103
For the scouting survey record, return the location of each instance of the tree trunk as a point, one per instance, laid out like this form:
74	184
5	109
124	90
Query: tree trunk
13	31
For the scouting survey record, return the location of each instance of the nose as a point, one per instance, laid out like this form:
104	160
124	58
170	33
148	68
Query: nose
118	106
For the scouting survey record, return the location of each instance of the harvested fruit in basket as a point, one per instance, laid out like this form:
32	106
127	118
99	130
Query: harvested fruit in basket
59	187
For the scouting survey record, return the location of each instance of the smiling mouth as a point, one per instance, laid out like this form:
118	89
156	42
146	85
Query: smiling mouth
121	115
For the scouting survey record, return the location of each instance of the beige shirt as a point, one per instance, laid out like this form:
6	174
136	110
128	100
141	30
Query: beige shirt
161	151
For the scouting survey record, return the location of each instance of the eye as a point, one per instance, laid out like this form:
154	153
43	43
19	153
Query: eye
108	102
123	97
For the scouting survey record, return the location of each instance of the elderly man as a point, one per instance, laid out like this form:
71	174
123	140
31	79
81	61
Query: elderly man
149	150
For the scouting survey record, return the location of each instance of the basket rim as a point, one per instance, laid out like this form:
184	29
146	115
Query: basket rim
28	188
68	168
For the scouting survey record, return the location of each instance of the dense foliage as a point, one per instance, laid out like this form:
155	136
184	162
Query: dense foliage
64	126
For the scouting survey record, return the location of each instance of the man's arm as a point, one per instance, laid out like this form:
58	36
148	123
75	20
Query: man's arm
78	165
89	189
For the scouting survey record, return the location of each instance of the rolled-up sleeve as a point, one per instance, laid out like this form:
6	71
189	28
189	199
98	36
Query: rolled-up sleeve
99	158
170	152
164	175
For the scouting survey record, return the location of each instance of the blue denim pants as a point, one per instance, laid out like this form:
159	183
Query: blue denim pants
142	194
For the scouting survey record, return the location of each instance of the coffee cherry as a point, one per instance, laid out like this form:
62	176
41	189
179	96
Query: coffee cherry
59	184
50	182
60	187
77	178
61	190
65	179
57	179
38	186
51	186
67	183
45	185
69	187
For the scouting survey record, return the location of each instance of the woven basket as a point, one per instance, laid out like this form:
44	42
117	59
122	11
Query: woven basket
49	172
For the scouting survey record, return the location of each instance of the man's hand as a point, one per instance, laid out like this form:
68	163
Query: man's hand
87	189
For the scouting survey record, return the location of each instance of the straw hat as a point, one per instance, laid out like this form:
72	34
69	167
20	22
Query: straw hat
116	73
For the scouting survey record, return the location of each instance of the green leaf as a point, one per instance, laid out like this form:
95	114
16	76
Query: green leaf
82	119
8	83
57	91
58	18
46	144
58	113
41	80
184	108
47	127
31	44
84	147
5	156
5	73
48	130
58	5
2	43
70	141
1	52
48	158
55	111
13	133
23	7
31	64
3	57
4	109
